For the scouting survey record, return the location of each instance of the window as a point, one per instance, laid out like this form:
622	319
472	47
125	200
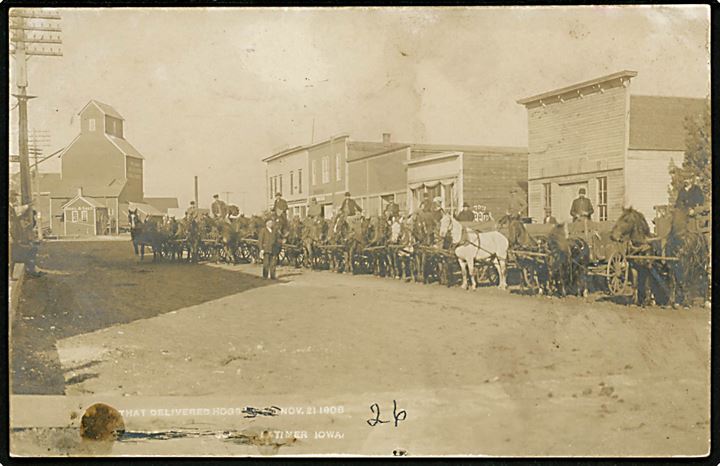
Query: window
547	199
84	215
91	124
279	184
300	181
292	183
338	167
74	216
270	191
326	169
313	171
602	198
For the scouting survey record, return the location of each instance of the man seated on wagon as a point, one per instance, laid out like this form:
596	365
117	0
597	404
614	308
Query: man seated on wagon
517	205
689	200
218	208
192	212
465	215
392	211
314	209
279	210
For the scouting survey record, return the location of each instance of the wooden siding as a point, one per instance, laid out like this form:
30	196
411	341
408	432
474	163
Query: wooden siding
336	146
648	179
579	135
378	175
615	194
93	158
488	178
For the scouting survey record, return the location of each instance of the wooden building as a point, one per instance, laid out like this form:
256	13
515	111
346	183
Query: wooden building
482	176
596	135
84	216
101	163
376	172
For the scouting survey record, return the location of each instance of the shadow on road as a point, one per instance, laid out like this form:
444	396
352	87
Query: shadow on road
97	285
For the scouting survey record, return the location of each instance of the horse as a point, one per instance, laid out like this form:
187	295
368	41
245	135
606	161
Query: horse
534	268
192	238
377	238
229	237
293	253
492	246
400	249
313	234
688	248
336	240
355	241
424	230
145	233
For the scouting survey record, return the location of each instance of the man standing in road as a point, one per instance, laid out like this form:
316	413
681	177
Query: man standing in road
269	241
218	208
581	208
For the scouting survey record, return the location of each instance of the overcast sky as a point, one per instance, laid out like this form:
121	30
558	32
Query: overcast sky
210	92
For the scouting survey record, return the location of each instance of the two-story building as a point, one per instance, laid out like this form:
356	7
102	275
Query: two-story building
596	135
287	174
377	172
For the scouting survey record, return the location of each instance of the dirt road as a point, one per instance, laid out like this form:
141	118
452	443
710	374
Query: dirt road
487	372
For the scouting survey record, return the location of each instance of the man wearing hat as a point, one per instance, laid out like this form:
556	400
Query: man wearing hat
691	196
465	215
426	205
517	206
269	242
218	208
192	212
392	211
280	208
581	208
314	209
349	207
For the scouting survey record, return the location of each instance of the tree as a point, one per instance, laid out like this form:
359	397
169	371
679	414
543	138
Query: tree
698	153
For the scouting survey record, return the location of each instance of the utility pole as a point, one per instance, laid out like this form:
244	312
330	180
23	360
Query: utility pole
196	192
30	30
38	141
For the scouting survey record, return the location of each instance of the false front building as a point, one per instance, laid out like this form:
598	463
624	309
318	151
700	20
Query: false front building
597	136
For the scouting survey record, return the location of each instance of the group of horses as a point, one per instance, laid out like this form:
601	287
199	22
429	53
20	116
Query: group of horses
427	247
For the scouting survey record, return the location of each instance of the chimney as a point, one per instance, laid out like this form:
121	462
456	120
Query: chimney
80	191
386	138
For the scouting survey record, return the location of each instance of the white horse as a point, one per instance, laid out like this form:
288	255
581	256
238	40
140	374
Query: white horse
491	245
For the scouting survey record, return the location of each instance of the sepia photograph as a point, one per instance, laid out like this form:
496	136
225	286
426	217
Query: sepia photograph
359	231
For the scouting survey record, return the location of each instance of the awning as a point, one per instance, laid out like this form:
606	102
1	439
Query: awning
433	183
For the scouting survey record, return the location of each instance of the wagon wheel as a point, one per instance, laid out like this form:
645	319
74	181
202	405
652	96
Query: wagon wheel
487	272
617	274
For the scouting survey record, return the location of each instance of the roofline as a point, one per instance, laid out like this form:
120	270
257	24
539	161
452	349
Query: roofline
576	87
380	154
95	103
65	149
291	150
78	197
466	148
433	158
107	136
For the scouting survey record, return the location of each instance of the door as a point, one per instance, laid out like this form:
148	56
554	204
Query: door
563	198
